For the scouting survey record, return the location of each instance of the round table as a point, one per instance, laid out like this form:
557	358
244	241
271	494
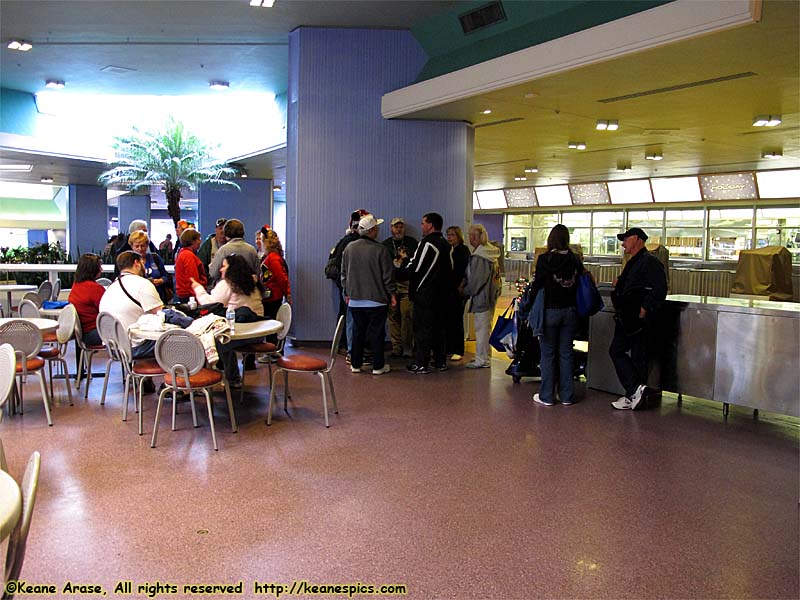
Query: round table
8	288
241	331
44	325
10	504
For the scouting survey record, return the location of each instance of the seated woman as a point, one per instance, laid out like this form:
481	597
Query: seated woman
238	287
188	267
85	296
153	265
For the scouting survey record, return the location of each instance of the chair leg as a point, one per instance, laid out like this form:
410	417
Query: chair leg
81	360
211	418
66	379
50	372
286	391
271	396
193	408
158	415
324	398
140	403
127	393
88	365
234	427
333	393
105	383
45	398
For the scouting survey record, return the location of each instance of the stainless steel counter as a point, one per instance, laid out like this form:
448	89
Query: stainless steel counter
744	352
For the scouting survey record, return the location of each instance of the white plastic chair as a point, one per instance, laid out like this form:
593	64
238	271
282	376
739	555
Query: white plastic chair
58	353
56	290
85	359
104	281
306	363
26	339
18	541
28	310
8	365
45	291
181	355
272	350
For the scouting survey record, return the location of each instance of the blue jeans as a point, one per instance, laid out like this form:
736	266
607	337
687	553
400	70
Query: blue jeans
560	326
369	331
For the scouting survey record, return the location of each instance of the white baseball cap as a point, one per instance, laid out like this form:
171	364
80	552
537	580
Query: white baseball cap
368	222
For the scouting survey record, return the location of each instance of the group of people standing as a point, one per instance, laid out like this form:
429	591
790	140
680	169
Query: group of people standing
417	286
223	268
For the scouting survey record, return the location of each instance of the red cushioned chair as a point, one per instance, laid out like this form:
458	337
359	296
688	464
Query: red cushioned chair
305	363
273	351
58	352
181	355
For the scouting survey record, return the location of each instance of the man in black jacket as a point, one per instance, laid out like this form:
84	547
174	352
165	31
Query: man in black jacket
430	273
638	293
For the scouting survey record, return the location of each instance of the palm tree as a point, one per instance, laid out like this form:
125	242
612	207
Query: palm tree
174	159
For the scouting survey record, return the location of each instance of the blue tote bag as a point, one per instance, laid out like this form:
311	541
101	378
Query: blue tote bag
588	299
504	334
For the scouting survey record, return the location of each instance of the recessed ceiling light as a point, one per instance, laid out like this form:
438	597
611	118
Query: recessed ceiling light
530	95
54	84
520	178
772	154
16	167
219	85
486	111
276	188
262	3
654	156
613	125
46	180
531	169
766	121
577	145
623	167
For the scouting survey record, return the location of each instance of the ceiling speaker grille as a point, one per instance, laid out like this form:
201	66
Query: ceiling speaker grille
484	16
675	88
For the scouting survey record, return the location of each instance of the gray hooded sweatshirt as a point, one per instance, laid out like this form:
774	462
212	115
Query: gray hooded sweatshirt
483	284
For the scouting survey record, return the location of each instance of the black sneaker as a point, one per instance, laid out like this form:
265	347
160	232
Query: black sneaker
441	367
418	369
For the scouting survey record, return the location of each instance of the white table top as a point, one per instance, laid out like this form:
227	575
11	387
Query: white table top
10	504
44	325
241	331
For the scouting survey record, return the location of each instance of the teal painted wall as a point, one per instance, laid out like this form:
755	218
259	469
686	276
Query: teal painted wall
18	112
528	23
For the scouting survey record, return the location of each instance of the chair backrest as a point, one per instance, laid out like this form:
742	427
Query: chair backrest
8	365
179	347
15	554
104	281
284	316
335	345
3	463
66	324
56	290
45	290
24	336
28	310
34	297
108	326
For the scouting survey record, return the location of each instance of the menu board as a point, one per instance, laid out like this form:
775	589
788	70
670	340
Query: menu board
589	193
731	186
521	197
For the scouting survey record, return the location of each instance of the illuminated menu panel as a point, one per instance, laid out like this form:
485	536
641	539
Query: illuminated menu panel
492	199
730	186
632	191
589	193
553	195
676	189
778	184
521	197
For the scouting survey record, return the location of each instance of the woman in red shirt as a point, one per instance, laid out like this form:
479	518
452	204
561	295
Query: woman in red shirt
85	296
188	266
274	274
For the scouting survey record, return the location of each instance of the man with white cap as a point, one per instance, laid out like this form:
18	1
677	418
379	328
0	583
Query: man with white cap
369	289
638	293
401	326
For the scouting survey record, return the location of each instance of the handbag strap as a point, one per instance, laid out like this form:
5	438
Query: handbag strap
134	300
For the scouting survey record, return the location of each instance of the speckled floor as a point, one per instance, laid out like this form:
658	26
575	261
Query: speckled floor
453	484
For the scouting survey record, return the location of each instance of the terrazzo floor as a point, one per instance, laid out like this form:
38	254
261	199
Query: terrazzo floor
455	485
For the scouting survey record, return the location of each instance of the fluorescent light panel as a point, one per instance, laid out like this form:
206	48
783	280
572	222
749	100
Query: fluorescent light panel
553	195
676	189
492	199
633	191
16	168
778	184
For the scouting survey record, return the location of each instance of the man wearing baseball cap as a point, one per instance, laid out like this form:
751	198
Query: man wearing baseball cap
401	327
638	293
369	289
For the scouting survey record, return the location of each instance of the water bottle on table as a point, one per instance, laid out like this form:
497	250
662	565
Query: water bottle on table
230	315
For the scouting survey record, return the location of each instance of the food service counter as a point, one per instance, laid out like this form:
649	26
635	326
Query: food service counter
734	351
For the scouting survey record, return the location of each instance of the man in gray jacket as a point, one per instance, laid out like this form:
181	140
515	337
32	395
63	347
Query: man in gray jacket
369	289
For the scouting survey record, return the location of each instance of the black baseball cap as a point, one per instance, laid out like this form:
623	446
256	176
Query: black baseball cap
633	231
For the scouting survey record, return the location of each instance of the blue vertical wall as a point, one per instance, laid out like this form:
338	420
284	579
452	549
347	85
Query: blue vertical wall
18	113
251	206
87	223
132	208
342	155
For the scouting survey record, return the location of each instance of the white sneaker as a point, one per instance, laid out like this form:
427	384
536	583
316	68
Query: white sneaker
386	368
355	370
455	357
638	396
623	403
537	398
477	365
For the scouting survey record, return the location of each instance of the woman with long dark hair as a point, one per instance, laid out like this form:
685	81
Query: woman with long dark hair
556	277
238	287
85	296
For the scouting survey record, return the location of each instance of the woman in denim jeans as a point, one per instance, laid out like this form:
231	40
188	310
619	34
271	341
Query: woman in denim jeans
556	276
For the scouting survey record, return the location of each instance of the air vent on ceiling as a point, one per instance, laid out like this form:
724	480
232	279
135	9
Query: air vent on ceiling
486	15
115	69
675	88
503	121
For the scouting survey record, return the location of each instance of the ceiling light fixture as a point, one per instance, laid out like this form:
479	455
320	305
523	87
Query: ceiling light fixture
607	125
654	156
486	111
262	3
54	84
16	167
219	85
20	45
577	145
531	169
46	180
520	178
276	188
772	154
766	121
624	167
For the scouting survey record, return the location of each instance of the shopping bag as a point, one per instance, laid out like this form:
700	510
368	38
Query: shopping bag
504	334
589	300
